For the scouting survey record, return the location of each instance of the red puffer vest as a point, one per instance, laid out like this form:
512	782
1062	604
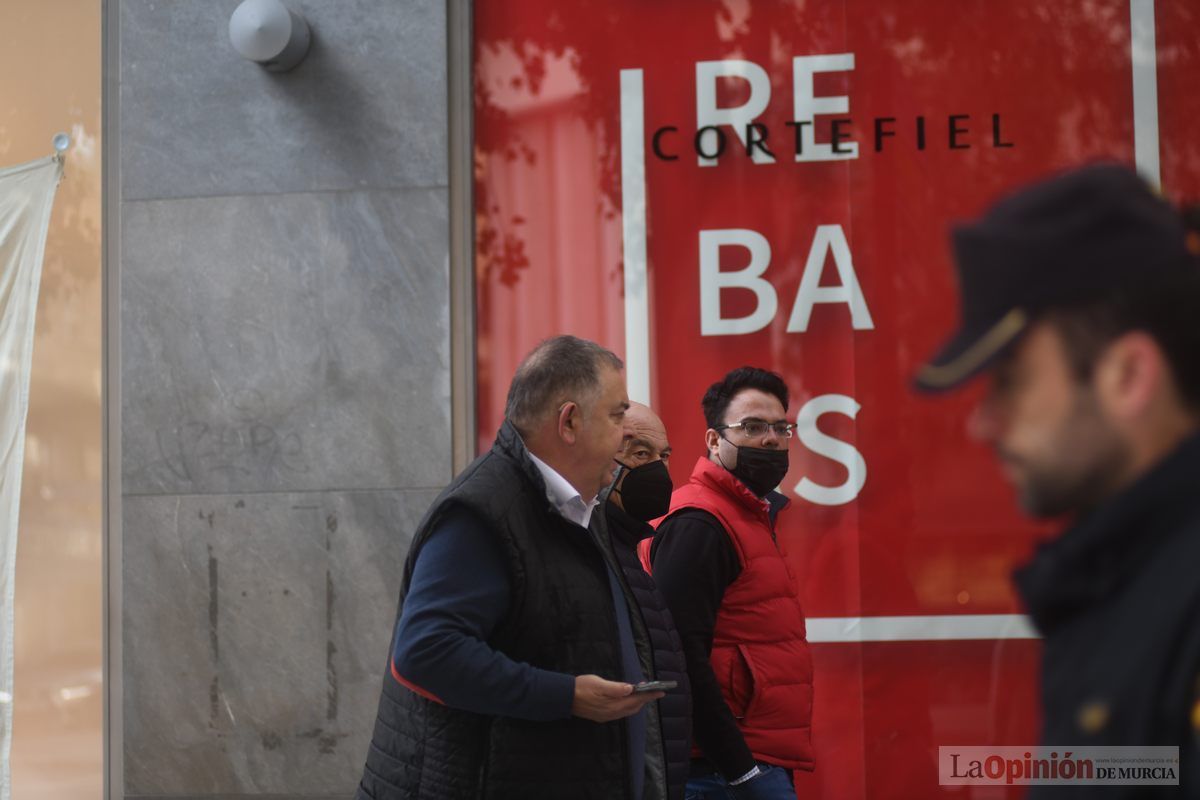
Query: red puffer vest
760	654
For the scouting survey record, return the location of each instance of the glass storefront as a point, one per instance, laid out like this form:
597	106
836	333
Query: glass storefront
50	81
702	185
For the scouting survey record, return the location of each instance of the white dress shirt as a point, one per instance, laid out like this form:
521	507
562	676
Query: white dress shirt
563	496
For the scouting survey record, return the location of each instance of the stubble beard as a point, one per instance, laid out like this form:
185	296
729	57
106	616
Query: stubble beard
1082	471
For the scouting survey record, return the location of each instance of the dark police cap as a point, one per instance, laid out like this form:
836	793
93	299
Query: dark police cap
1084	234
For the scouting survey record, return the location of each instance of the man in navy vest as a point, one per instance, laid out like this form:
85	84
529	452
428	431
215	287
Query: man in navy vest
514	656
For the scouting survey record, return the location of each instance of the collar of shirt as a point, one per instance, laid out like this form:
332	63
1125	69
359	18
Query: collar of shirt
563	496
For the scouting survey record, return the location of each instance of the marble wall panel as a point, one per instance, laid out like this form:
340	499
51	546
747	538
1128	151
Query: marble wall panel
283	343
254	656
365	109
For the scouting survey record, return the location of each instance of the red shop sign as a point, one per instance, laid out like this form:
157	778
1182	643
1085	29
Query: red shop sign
702	185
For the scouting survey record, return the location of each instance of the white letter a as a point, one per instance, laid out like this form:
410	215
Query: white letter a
829	237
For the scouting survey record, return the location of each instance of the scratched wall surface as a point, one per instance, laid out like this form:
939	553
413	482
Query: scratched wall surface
285	384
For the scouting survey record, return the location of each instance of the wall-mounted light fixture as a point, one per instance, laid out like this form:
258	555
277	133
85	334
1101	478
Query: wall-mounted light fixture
270	33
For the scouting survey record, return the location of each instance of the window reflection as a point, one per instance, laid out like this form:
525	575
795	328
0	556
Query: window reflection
972	101
50	80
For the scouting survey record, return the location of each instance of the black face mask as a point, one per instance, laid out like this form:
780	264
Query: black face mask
759	468
646	490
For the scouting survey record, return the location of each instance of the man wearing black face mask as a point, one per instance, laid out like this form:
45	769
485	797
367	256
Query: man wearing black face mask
643	485
642	492
735	601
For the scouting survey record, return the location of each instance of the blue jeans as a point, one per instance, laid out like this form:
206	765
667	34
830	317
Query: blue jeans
772	783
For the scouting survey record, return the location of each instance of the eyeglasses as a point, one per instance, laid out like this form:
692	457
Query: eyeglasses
756	428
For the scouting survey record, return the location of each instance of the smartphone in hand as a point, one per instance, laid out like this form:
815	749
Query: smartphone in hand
654	686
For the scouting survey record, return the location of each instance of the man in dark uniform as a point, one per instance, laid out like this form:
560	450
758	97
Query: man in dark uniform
1080	301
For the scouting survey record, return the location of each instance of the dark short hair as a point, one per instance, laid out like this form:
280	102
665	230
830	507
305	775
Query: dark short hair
718	397
1166	310
557	370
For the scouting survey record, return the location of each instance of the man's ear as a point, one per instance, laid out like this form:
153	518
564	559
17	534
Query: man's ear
1129	375
712	440
568	422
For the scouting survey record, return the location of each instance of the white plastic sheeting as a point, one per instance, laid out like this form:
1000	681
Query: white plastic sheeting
26	196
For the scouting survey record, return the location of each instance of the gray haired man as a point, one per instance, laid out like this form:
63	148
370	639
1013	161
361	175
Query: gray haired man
513	662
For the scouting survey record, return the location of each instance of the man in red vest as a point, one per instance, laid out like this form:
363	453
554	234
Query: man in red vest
735	601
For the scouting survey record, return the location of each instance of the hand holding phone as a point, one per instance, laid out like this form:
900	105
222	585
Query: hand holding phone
604	701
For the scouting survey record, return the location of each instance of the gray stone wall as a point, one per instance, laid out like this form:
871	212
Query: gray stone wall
285	414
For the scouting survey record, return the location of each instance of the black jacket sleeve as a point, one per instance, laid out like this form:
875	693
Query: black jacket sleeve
693	562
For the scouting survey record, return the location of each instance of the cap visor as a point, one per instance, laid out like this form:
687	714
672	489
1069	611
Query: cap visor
969	353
